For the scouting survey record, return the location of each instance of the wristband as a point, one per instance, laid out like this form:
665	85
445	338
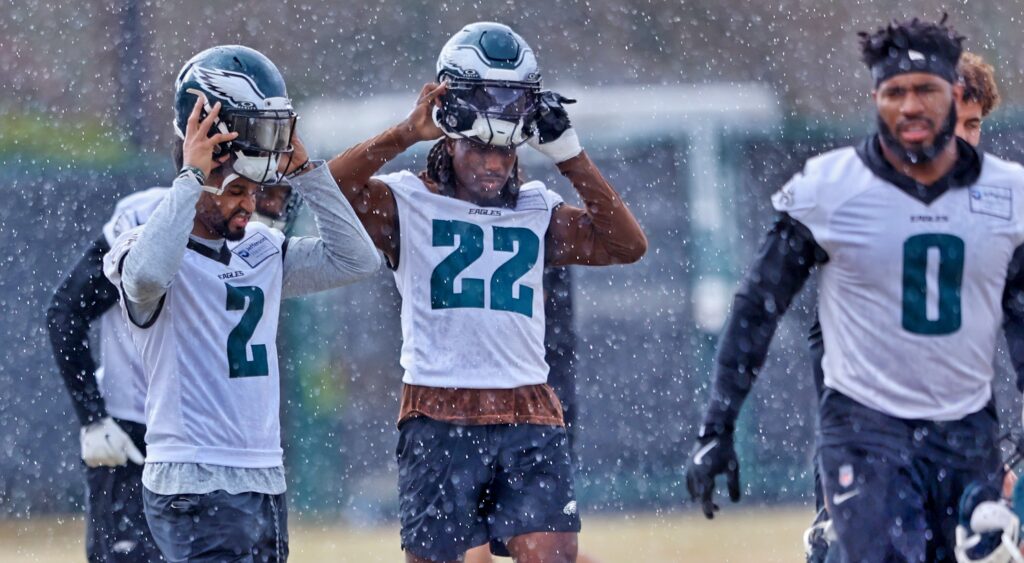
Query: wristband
301	169
193	172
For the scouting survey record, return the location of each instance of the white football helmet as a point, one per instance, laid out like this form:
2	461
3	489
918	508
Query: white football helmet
493	86
988	530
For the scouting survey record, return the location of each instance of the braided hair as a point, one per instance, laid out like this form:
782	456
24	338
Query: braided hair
441	171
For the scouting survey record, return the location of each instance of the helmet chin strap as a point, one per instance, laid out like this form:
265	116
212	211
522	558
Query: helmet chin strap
260	169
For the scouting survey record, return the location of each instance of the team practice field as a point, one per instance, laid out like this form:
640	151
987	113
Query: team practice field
739	536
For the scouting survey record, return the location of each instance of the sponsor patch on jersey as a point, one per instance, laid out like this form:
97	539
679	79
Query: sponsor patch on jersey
255	250
531	200
994	201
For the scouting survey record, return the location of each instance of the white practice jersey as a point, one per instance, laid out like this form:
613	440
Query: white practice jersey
910	300
471	280
120	377
211	355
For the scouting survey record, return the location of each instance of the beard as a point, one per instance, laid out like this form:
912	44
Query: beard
221	225
919	154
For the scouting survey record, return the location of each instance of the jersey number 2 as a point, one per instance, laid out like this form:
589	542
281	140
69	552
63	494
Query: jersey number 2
471	247
239	364
947	279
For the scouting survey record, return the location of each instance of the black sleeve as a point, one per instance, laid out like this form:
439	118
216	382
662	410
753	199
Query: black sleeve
1013	313
83	296
784	263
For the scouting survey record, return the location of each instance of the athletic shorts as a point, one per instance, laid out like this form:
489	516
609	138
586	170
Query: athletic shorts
893	486
464	486
115	523
217	526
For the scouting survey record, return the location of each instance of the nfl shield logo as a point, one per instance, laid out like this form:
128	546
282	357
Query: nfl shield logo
845	475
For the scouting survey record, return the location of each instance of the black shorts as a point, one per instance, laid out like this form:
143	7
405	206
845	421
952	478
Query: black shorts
115	524
893	486
463	486
217	526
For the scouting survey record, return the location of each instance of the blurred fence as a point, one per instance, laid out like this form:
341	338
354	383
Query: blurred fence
643	363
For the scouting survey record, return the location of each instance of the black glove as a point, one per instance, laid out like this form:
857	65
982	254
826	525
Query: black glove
713	455
552	120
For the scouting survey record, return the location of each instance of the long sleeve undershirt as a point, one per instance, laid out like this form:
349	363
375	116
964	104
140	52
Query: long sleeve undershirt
1013	314
784	263
83	296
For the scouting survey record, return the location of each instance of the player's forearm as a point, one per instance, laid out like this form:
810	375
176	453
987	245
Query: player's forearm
608	224
343	254
156	257
83	296
353	168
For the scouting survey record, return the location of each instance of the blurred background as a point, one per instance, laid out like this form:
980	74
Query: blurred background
696	111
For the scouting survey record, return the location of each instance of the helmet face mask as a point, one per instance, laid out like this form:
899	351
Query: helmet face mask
988	526
254	103
493	86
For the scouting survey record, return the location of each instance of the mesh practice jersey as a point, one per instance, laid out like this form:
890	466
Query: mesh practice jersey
120	376
471	285
211	354
910	299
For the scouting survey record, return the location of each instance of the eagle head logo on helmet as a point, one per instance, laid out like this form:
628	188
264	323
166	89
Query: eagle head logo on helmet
493	86
254	103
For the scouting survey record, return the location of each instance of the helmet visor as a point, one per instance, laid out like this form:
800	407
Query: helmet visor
495	98
262	132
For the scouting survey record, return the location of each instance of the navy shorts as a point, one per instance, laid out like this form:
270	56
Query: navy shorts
464	486
115	523
893	486
217	526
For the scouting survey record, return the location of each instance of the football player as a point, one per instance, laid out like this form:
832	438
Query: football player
918	239
560	355
109	400
482	452
980	96
201	288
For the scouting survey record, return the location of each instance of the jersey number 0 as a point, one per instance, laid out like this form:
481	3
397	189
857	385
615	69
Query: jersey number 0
949	251
469	250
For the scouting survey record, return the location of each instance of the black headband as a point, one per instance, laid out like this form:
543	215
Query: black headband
908	60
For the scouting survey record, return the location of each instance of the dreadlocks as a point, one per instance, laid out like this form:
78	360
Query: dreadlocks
442	173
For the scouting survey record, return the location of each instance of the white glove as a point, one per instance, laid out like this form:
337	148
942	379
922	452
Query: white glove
104	443
566	146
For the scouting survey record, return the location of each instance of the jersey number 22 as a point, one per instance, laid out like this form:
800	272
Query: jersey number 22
469	250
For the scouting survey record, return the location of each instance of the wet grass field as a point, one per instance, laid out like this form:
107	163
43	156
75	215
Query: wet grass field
752	535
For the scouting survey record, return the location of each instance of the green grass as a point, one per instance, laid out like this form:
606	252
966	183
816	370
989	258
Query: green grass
759	535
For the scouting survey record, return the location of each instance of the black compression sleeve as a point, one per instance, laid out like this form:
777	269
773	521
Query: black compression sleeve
784	263
82	297
1013	313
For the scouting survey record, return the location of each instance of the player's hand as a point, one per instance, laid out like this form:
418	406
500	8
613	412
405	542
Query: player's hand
197	148
420	124
104	443
555	137
298	159
713	455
